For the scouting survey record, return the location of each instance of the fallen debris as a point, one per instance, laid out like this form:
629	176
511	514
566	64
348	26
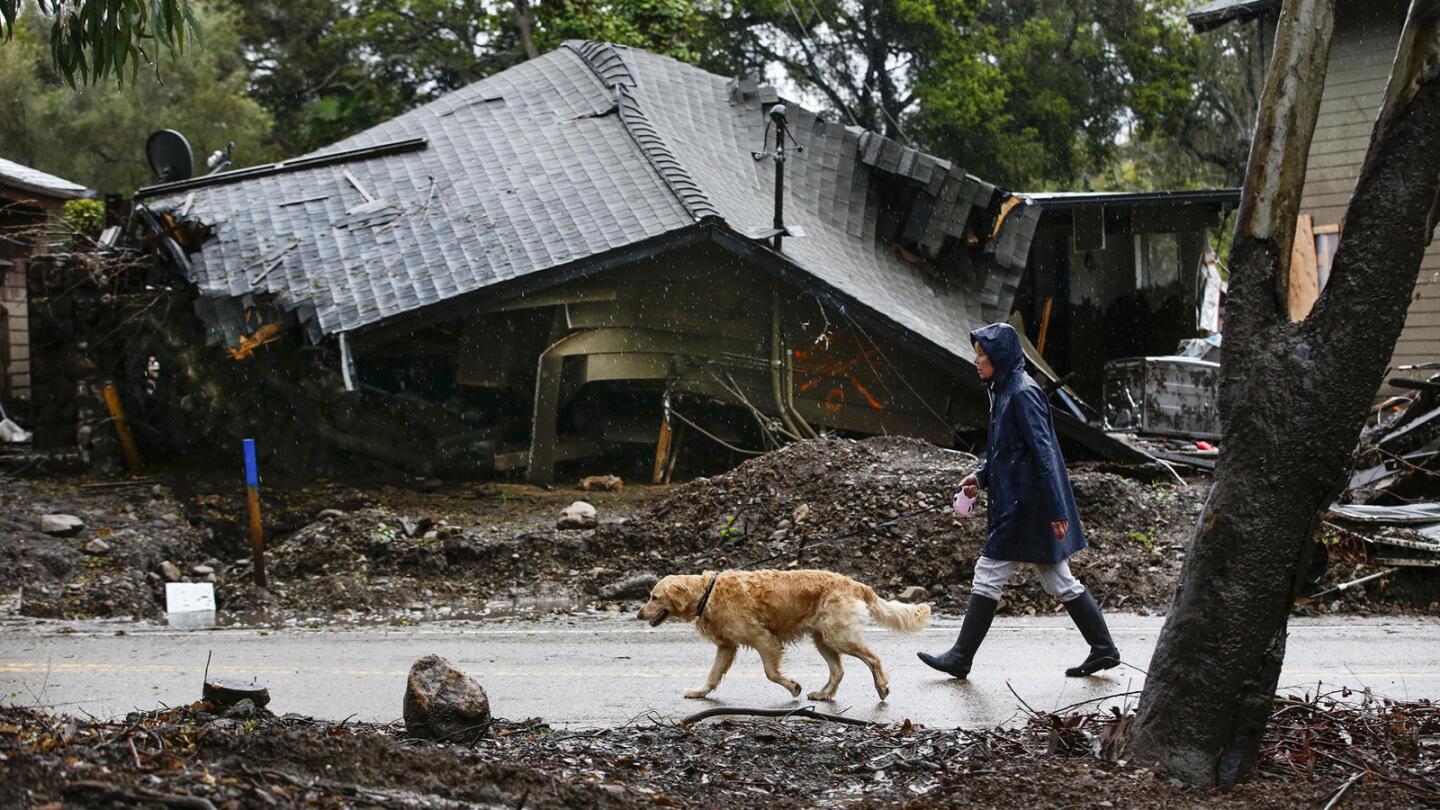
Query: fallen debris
602	483
1380	753
377	552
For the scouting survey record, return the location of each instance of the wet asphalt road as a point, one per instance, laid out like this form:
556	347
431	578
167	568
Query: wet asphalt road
609	671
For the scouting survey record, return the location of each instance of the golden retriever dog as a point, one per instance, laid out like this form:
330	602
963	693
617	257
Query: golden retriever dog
766	610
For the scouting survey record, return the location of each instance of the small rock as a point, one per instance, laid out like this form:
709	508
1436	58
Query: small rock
242	710
170	571
602	483
779	534
578	515
937	589
801	512
61	525
416	528
636	587
97	546
441	703
329	513
914	594
201	570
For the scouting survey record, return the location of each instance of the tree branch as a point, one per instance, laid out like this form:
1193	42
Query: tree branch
804	711
1275	176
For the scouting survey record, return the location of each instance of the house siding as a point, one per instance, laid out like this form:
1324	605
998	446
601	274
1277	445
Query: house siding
14	299
1360	59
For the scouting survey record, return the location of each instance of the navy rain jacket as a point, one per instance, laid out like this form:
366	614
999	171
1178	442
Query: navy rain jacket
1023	473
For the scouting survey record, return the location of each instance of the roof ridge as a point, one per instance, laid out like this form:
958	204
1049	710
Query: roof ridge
613	71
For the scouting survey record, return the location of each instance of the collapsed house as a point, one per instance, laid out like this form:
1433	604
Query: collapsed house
603	247
27	197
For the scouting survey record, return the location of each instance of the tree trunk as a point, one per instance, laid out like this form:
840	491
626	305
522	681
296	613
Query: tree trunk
525	18
1293	397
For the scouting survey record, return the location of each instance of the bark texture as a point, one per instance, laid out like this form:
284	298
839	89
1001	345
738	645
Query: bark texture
1293	396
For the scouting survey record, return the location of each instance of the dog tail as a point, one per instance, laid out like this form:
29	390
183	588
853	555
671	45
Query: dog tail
897	615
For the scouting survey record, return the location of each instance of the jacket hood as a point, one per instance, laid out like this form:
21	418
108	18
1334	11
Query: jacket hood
1002	344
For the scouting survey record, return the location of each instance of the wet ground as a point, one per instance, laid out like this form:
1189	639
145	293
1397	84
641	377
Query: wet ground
609	672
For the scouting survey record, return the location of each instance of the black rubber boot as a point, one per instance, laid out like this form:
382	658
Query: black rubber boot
1103	652
955	661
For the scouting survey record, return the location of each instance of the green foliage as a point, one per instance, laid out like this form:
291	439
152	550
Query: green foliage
1145	538
96	135
93	39
311	79
85	216
671	27
729	531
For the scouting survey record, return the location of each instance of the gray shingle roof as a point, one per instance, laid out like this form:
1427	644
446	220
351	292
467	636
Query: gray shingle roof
585	150
37	182
1218	12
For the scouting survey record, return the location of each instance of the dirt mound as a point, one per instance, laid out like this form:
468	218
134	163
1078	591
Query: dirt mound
810	492
350	551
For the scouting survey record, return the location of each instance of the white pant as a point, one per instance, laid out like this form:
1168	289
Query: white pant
990	576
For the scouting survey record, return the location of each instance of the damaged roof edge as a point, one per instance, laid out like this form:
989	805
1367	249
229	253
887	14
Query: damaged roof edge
1058	200
285	167
1219	12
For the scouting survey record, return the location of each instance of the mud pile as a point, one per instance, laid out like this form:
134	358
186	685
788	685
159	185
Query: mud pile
791	503
190	757
877	510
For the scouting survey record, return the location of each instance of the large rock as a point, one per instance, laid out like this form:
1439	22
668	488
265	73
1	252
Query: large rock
914	594
636	587
578	515
441	703
61	525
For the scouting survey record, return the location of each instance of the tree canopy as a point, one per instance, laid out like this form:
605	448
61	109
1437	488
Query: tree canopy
1033	94
96	134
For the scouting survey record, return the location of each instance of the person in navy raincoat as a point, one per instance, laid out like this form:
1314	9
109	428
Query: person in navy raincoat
1032	515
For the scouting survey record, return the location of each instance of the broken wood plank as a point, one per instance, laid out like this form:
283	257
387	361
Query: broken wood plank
662	449
1304	270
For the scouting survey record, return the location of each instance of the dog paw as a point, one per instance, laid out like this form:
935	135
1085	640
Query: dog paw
794	689
820	696
884	691
696	694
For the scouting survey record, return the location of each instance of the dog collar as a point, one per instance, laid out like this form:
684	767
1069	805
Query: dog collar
705	597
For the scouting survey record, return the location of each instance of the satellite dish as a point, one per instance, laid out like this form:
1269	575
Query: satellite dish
170	157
